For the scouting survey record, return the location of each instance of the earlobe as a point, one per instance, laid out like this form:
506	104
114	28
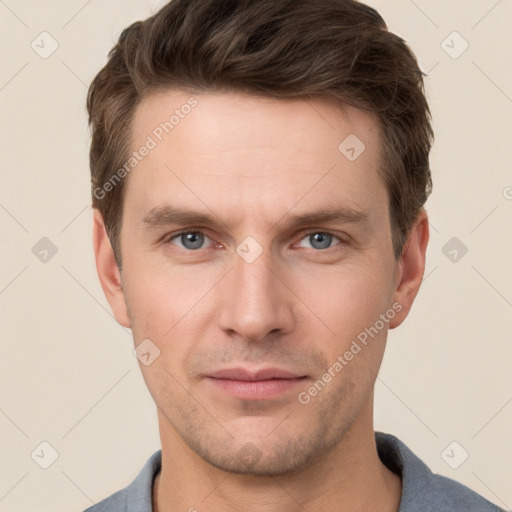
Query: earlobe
108	271
411	268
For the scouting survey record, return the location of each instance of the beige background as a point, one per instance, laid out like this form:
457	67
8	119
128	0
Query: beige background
67	373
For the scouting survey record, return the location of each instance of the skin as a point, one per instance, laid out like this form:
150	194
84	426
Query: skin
251	163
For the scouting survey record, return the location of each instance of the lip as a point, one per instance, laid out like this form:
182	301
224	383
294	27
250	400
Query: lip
263	384
250	376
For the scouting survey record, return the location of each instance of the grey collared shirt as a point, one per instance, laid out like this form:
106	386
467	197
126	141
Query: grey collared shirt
422	490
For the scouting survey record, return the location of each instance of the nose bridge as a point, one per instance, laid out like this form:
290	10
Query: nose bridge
255	300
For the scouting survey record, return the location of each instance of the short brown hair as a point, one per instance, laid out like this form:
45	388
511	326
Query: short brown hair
335	49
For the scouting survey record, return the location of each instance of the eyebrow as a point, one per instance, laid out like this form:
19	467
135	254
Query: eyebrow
163	216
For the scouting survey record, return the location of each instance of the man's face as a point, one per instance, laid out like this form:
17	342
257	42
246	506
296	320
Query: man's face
253	290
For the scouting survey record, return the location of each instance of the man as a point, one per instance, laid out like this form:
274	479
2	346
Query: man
259	171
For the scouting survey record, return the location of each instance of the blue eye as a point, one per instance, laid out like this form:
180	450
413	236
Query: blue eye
191	240
194	240
320	240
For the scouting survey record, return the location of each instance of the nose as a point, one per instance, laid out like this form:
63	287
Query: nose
255	300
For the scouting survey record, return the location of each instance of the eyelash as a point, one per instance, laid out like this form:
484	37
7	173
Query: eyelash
169	239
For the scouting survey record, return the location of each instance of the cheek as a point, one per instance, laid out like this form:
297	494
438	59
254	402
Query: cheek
348	299
159	298
170	309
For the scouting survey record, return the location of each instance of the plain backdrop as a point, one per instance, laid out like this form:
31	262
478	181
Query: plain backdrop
67	373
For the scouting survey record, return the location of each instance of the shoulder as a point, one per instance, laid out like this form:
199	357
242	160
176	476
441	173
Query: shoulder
452	495
114	503
421	488
444	494
137	497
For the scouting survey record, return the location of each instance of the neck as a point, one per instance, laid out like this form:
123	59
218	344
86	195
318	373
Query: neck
351	478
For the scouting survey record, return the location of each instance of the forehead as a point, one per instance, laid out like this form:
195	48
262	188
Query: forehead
234	151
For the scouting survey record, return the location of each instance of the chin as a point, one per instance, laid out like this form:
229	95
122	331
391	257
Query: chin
262	457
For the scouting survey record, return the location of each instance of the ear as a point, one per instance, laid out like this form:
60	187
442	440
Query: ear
411	268
108	271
